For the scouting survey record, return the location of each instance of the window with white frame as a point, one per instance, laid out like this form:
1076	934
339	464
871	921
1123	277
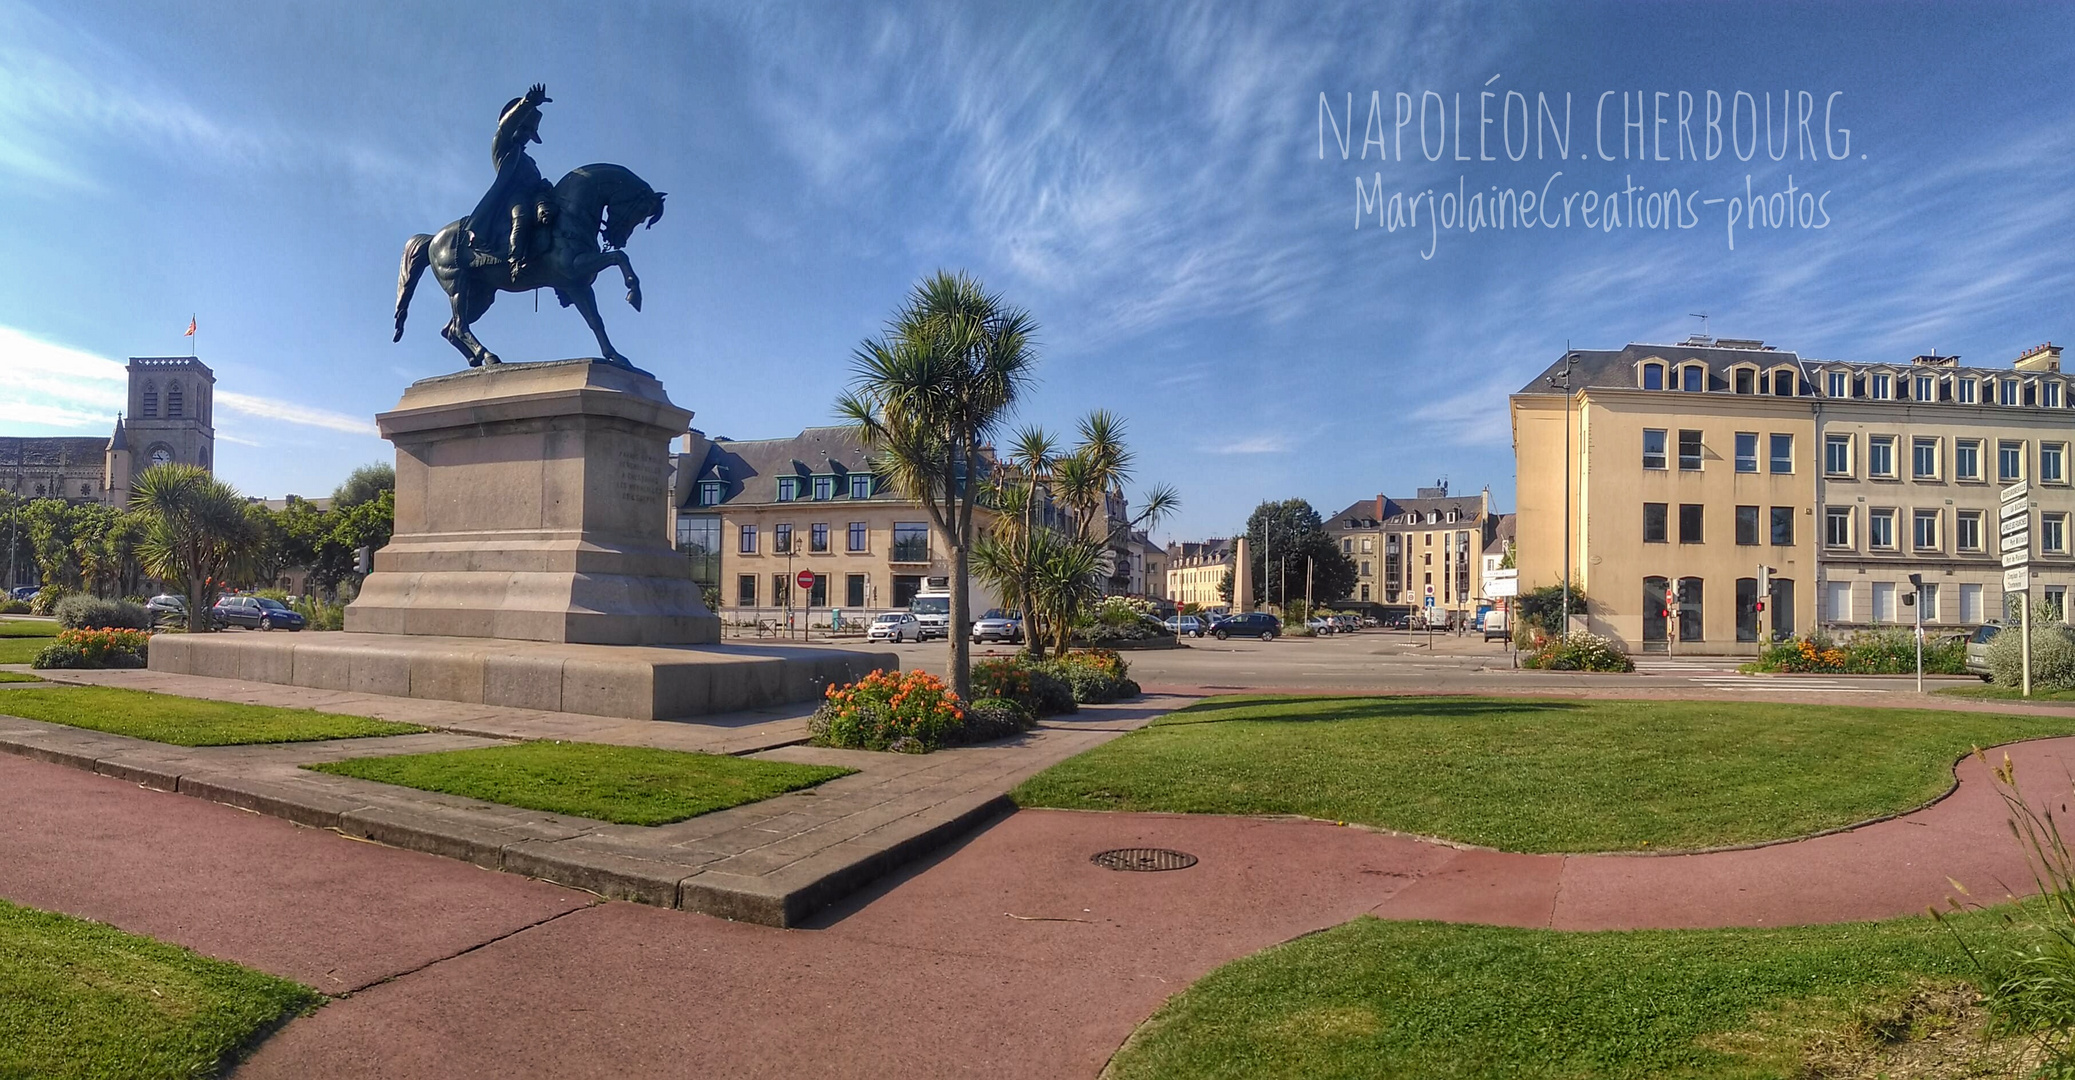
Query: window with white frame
2053	458
1923	457
2007	392
1880	529
1927	601
1924	530
1653	448
1693	378
1746	451
1926	388
1967	459
1840	384
1837	601
2050	395
1837	526
1883	601
2053	534
1653	376
1837	455
2010	460
1880	456
1882	386
1780	457
1963	391
1967	530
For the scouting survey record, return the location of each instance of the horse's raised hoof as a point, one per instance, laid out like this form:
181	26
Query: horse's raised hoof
634	298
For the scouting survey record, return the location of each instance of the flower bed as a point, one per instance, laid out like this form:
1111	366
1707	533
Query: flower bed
1869	652
1578	652
911	712
95	649
1058	685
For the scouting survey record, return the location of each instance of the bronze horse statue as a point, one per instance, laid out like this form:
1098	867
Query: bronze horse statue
596	209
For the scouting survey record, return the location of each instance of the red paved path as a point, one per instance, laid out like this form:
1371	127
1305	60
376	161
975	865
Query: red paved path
1011	957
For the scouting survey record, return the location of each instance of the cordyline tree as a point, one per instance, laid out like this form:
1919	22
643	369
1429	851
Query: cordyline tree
198	533
927	395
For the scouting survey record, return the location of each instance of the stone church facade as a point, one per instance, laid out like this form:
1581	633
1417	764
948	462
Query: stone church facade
170	419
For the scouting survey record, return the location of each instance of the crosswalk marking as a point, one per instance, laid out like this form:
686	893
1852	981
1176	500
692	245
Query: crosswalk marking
1804	684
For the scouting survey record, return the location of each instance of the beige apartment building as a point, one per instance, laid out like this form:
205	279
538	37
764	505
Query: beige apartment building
1695	469
752	514
1407	549
1196	572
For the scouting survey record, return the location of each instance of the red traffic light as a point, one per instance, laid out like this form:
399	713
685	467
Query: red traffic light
1759	606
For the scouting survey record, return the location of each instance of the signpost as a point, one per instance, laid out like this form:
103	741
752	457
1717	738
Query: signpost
2015	528
805	581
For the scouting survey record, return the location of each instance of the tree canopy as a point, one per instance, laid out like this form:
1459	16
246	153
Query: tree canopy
1288	540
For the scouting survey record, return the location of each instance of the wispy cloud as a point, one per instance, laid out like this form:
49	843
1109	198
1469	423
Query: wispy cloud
1257	444
54	385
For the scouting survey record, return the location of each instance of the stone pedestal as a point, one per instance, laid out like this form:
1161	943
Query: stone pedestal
532	504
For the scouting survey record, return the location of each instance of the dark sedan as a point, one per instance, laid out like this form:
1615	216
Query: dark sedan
1258	624
256	612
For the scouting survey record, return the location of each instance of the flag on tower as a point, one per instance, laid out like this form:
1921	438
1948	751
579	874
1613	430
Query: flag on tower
190	327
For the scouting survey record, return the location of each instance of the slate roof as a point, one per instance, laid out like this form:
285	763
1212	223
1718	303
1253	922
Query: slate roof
751	467
1367	514
1615	368
53	452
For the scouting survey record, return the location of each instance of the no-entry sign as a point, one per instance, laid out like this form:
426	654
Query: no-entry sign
806	580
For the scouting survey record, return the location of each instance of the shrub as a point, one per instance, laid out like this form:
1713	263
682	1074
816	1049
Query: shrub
993	718
94	649
2053	657
1801	656
911	710
318	615
14	607
1123	610
83	612
1541	609
1142	629
46	600
1094	676
1579	652
1036	687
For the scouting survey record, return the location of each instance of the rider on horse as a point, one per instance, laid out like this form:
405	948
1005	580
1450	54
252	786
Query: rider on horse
519	192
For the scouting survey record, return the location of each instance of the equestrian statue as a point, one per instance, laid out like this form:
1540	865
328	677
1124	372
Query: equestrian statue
528	234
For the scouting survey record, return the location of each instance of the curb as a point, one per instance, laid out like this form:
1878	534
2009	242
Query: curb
784	899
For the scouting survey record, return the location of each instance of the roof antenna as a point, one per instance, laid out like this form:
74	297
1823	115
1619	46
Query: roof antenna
1703	317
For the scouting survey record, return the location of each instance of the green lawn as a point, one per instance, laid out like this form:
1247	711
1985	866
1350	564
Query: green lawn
187	721
79	999
1373	999
18	676
2006	693
21	640
1536	775
626	785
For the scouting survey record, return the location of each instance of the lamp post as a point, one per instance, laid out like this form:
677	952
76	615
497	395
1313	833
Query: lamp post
1916	584
1563	382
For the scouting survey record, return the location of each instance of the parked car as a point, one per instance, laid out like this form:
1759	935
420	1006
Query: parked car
168	609
1321	626
1495	625
895	626
998	625
1184	625
24	592
1347	624
256	613
1258	624
1978	650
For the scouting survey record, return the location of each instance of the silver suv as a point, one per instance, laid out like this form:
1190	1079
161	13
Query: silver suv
1978	651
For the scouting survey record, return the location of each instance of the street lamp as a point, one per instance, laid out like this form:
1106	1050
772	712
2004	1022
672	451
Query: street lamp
1916	600
1563	382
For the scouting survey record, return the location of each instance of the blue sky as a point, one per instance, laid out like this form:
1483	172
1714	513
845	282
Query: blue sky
1145	178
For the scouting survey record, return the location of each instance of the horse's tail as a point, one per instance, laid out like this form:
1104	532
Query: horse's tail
415	259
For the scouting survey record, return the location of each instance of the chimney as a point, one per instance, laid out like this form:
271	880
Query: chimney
2042	357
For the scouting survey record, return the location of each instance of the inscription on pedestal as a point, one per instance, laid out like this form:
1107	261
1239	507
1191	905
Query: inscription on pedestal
639	473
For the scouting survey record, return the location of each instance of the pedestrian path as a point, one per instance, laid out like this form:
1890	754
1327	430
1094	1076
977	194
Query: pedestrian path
1793	684
1013	956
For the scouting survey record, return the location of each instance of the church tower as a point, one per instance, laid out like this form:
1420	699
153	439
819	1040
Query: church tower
172	407
115	478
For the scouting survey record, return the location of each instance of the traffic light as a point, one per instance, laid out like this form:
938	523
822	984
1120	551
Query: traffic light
1764	588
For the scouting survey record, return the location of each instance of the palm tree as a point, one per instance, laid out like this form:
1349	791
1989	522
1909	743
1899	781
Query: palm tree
1004	557
199	533
1099	467
1067	572
927	395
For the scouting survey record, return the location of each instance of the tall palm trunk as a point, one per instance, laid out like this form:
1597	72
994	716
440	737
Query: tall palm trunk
961	620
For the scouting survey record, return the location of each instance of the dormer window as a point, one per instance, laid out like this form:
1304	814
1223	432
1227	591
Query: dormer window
1926	388
788	488
1451	517
1693	378
1433	517
2007	390
860	485
710	492
1742	380
1653	376
1883	386
1840	384
2050	395
824	488
1964	389
1783	383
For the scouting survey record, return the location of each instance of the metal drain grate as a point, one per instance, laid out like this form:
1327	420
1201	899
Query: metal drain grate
1143	858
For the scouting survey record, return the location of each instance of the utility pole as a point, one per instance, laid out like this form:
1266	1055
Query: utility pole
1570	364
